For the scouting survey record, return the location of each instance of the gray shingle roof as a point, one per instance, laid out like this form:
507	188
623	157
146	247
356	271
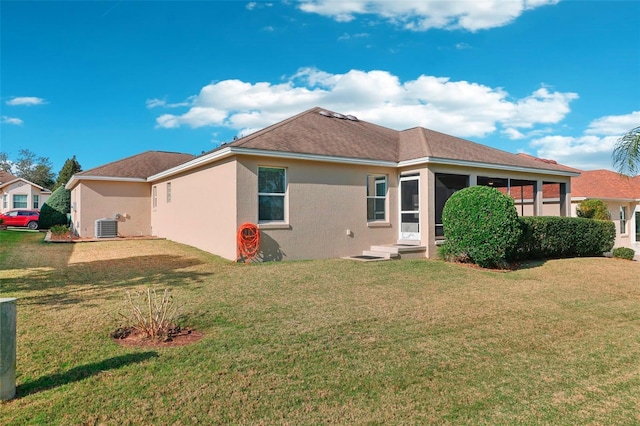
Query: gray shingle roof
139	166
313	132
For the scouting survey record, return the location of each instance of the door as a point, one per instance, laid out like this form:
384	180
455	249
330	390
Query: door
638	226
410	208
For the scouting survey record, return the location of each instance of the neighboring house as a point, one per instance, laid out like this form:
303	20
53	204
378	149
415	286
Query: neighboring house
622	197
18	193
318	185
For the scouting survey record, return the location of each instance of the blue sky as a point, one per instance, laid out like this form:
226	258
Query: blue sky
103	80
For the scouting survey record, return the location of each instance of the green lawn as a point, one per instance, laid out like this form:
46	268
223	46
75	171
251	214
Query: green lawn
322	342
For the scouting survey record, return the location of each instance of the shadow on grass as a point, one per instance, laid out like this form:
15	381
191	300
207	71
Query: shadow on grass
101	276
82	372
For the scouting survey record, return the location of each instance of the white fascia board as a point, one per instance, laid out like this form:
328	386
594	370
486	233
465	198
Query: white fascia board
196	162
502	167
75	179
229	151
315	157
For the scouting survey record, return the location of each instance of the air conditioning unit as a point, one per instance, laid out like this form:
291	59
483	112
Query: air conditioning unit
106	228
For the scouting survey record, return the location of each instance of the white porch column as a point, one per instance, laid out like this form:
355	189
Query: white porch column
7	348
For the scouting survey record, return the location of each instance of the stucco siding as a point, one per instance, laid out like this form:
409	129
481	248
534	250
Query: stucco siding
202	209
92	200
21	188
324	202
624	237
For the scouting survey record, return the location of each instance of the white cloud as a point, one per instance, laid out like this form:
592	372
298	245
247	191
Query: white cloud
155	103
421	15
593	149
26	101
462	108
11	120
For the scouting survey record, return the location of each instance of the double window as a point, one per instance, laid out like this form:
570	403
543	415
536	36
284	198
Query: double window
20	201
272	188
376	197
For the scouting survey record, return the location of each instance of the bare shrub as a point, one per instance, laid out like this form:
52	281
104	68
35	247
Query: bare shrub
151	315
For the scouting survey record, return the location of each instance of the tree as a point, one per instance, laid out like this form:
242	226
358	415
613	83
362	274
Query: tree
54	211
70	168
5	164
626	153
34	169
593	209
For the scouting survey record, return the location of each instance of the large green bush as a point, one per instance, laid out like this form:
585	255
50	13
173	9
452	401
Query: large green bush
593	209
480	226
54	211
552	237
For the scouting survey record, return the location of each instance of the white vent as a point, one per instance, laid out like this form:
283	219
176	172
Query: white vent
106	228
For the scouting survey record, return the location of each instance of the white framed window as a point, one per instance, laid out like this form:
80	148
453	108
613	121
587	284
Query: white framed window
376	198
623	219
168	192
20	201
36	201
272	192
5	200
154	196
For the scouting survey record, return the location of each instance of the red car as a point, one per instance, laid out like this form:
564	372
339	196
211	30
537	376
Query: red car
26	218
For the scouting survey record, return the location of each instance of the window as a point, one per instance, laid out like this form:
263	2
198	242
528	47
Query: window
20	201
168	192
4	201
155	197
376	197
36	201
623	219
272	185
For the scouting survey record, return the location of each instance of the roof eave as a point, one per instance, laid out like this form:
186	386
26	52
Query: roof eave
76	179
504	167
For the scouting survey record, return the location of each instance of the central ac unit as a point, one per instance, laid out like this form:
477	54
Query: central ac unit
106	228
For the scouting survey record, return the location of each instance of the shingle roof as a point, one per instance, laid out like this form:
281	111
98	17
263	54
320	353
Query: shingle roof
139	166
318	131
605	184
6	177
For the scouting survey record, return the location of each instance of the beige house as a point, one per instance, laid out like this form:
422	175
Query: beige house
621	195
318	185
18	193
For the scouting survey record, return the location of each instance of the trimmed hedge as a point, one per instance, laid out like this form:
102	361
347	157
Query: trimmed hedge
624	253
480	226
553	237
54	210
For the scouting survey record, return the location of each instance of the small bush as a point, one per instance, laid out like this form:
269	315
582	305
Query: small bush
150	315
593	209
54	210
624	253
546	237
480	226
59	230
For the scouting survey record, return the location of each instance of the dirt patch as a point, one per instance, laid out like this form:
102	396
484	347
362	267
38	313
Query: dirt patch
181	338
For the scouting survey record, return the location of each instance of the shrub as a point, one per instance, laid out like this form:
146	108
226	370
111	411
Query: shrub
480	226
59	230
593	209
553	237
150	315
624	253
54	210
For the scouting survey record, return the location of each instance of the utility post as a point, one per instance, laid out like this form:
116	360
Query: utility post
7	348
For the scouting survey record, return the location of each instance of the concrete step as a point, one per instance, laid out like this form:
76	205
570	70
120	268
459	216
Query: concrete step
381	254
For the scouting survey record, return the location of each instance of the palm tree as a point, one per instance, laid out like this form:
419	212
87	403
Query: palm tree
626	153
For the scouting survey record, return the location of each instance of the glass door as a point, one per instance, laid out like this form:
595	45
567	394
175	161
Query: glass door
410	208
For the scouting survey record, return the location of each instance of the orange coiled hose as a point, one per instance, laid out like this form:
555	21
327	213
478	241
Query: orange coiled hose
248	242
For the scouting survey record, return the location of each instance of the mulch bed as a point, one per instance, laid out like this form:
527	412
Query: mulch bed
130	338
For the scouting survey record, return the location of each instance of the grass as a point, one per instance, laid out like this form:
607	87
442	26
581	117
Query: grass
328	341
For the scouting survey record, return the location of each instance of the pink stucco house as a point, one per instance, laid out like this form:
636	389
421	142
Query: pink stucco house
18	193
318	185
